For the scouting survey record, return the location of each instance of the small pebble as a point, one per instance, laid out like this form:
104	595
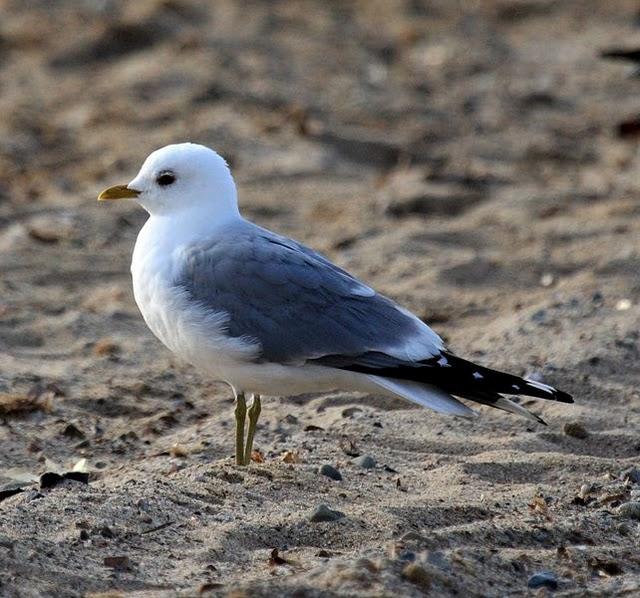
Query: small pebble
324	513
585	490
365	461
575	430
119	563
106	532
407	555
623	305
544	579
105	348
632	474
330	472
546	280
630	510
540	316
291	457
179	451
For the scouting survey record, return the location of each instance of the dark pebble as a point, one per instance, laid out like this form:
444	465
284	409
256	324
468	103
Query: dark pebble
540	316
407	555
324	513
632	474
575	430
544	579
330	472
365	461
119	563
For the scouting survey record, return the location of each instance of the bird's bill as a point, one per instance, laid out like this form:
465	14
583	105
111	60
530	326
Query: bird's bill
118	192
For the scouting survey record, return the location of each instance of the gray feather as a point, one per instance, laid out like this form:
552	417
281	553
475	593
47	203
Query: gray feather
293	301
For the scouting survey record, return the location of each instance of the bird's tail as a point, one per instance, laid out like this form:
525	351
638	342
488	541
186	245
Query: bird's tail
422	394
440	379
467	379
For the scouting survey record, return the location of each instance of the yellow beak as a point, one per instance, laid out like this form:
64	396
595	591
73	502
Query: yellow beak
118	192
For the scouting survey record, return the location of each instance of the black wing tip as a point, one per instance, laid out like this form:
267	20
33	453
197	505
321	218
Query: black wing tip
564	397
550	392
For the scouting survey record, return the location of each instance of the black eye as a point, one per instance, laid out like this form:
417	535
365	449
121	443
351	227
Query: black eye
165	178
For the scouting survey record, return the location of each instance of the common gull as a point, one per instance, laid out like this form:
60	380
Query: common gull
270	316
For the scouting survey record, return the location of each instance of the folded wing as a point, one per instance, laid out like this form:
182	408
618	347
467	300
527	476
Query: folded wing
302	309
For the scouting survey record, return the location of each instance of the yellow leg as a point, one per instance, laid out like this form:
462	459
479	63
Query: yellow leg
254	414
241	413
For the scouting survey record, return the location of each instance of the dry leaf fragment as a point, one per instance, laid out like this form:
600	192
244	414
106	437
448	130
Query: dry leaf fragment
349	447
538	504
80	465
275	559
105	348
72	431
36	398
178	450
291	457
257	457
118	563
605	568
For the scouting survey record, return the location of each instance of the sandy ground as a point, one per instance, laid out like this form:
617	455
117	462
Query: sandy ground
468	164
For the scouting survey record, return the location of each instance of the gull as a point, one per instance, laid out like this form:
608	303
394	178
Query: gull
271	317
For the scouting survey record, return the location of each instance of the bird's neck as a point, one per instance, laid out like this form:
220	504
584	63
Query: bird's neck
167	231
196	221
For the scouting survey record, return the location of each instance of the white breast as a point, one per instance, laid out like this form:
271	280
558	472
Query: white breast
194	333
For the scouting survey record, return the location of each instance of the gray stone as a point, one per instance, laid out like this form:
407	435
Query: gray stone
632	474
575	430
365	461
330	472
630	510
324	513
544	579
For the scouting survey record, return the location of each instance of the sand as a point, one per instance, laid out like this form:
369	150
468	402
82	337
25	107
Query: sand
478	165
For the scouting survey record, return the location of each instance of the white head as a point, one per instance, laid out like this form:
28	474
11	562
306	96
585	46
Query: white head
180	178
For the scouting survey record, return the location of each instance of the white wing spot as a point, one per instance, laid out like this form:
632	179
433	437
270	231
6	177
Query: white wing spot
478	375
442	362
362	290
541	386
515	387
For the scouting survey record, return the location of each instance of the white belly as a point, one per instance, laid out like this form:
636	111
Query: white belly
192	332
198	338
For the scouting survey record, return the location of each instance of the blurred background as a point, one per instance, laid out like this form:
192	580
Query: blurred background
476	161
451	153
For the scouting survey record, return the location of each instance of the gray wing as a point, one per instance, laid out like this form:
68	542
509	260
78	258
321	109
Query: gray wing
294	302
